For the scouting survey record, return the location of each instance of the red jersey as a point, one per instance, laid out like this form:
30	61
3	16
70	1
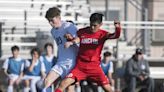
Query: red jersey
91	44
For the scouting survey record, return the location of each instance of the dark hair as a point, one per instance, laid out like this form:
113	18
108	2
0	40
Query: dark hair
15	47
107	53
48	44
35	50
139	51
96	18
52	12
70	21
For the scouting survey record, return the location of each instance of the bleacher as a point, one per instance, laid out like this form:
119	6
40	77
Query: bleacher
21	19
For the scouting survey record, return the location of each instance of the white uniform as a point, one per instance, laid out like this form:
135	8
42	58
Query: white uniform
34	78
66	56
14	66
6	66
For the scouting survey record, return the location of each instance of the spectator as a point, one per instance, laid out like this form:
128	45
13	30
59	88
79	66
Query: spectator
48	59
13	68
33	70
107	66
137	72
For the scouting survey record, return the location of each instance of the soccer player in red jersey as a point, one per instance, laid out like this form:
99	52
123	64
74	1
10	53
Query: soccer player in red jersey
91	41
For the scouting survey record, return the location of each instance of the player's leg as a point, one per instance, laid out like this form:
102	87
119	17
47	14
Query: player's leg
51	77
27	86
107	88
10	85
64	84
99	77
11	81
71	88
33	82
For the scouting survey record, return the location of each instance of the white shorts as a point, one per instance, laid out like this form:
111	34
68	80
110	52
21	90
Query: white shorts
63	69
13	77
28	77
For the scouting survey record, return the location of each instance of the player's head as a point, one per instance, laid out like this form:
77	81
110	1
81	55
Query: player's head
139	53
15	50
49	48
35	53
96	21
53	16
107	55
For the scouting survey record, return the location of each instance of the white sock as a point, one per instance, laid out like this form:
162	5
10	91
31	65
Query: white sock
26	89
78	89
112	87
10	89
44	90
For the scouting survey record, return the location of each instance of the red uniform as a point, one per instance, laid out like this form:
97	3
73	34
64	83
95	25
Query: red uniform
88	59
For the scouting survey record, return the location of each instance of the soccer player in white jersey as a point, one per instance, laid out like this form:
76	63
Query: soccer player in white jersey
13	68
66	56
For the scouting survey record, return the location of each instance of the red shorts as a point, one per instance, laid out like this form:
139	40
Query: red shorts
88	70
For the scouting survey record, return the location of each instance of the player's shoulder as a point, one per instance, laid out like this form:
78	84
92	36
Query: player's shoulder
81	30
103	31
67	24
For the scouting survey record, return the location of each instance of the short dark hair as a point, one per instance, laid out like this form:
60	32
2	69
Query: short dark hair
107	53
35	50
15	47
139	51
48	44
96	18
52	12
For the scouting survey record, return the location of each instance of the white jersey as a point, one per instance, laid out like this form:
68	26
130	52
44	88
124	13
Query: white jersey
65	55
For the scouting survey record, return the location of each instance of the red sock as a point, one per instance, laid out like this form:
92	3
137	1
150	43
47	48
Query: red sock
57	90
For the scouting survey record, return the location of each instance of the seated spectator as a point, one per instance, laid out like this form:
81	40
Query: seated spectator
13	68
137	72
48	59
34	69
107	66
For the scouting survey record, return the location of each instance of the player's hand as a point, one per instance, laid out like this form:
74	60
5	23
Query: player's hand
34	59
68	37
141	78
68	44
116	23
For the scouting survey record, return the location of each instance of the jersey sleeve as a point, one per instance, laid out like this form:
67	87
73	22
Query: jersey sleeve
43	68
114	35
72	29
111	67
41	58
27	63
5	64
22	66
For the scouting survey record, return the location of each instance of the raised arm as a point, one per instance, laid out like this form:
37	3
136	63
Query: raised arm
117	32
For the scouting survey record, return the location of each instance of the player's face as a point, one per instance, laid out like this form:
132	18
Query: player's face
35	55
15	53
139	57
49	50
95	26
107	58
55	21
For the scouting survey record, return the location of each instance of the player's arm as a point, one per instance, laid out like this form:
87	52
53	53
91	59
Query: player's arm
75	40
117	32
31	67
110	70
5	67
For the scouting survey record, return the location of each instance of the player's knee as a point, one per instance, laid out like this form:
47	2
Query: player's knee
46	81
11	82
